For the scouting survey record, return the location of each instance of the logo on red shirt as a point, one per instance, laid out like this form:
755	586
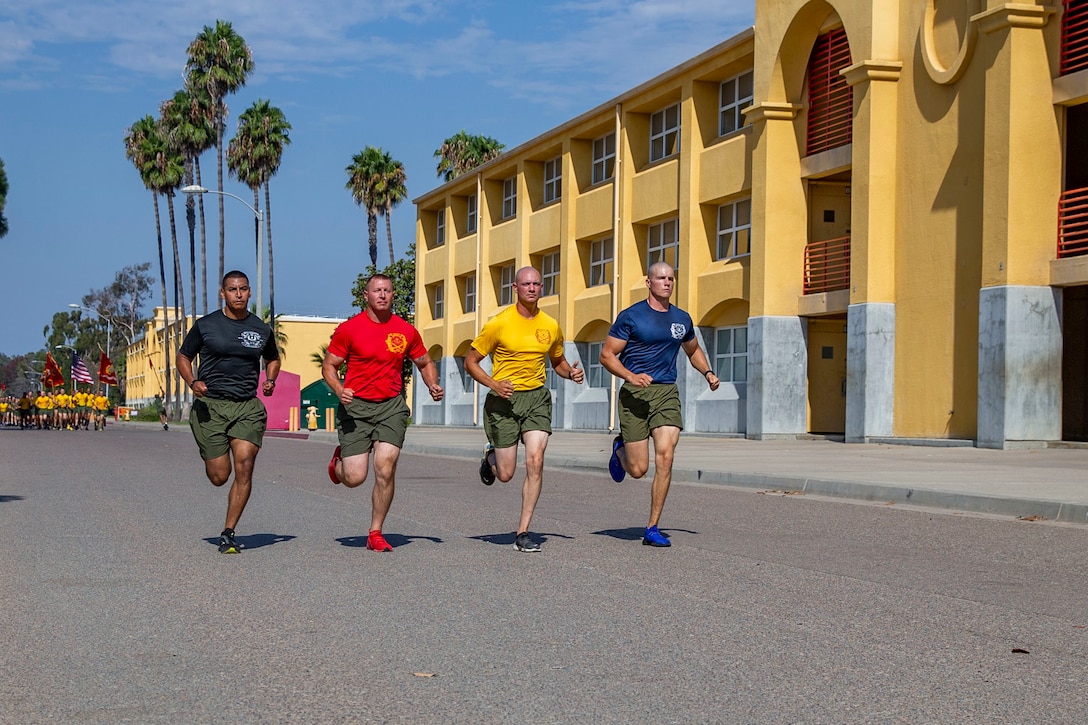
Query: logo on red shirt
396	343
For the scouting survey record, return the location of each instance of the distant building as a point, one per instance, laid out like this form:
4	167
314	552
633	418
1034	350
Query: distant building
874	210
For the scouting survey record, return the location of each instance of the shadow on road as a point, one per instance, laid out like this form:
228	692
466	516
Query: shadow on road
508	539
254	541
395	540
5	498
634	533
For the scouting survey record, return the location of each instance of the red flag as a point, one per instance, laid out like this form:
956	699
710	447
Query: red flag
105	371
52	376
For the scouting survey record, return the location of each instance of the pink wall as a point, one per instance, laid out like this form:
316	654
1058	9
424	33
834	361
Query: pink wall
279	404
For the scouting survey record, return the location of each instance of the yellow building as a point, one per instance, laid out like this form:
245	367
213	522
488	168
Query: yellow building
873	207
146	365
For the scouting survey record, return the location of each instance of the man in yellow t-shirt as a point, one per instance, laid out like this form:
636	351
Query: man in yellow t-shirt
25	404
101	404
44	403
519	406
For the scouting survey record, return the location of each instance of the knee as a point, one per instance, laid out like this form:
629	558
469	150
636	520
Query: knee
218	477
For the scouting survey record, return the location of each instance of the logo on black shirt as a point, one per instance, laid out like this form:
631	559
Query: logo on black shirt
252	339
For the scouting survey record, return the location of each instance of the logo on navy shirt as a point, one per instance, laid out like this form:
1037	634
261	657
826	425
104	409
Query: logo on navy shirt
678	331
251	339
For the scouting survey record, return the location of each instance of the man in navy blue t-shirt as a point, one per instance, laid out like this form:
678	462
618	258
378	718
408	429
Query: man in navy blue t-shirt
641	350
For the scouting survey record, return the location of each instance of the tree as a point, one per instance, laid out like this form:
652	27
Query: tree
219	63
403	274
463	152
123	303
376	182
3	199
391	191
186	121
160	170
263	134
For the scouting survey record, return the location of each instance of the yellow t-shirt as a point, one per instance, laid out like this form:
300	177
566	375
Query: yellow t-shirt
61	400
81	399
101	402
519	346
3	407
44	402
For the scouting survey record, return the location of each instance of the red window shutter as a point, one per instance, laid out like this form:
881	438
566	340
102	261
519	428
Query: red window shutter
830	98
1074	50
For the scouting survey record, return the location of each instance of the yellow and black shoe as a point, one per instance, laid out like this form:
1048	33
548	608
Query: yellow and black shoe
227	544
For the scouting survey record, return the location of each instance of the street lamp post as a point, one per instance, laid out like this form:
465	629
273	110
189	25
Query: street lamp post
109	328
195	189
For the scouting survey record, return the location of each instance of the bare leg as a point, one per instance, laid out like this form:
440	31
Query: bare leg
386	456
536	442
245	455
665	439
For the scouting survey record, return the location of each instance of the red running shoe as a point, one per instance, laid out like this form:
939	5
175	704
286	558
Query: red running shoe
332	465
376	542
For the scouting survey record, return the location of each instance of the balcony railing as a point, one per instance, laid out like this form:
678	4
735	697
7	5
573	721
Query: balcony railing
827	265
1074	48
1073	223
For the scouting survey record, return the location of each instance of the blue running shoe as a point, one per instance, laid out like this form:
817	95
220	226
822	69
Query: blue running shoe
653	537
615	468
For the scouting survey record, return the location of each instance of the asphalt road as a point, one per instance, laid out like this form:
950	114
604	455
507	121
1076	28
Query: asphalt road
116	607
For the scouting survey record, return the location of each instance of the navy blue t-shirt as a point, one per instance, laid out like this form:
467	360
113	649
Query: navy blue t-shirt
653	339
230	353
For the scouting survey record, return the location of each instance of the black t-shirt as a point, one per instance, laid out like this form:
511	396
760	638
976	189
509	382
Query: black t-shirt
230	353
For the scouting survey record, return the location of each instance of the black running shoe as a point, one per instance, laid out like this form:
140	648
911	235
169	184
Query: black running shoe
227	544
524	542
487	473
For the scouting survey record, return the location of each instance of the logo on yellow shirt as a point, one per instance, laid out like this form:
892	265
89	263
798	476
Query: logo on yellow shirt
396	343
544	337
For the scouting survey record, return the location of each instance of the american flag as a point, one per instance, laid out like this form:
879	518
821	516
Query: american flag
80	373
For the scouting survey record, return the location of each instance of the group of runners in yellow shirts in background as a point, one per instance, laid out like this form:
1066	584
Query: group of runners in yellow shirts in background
56	410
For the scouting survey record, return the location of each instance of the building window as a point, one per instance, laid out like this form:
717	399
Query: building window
438	301
549	274
553	179
470	222
665	133
734	96
468	383
600	262
596	375
510	198
663	243
506	285
734	229
731	354
469	299
440	230
604	158
551	379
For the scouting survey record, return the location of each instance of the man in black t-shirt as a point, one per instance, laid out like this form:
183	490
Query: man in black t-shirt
227	420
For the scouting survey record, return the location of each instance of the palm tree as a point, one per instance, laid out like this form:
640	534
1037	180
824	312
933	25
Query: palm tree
463	152
268	134
186	122
219	62
146	149
390	191
363	180
3	199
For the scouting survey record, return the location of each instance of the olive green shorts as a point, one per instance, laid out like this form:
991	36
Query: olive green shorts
643	409
505	420
214	422
361	422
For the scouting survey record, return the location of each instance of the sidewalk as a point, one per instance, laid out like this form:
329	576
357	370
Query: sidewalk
1051	483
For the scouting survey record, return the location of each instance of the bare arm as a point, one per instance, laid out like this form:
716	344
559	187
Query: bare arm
429	372
330	373
565	370
610	359
697	358
271	371
185	369
505	388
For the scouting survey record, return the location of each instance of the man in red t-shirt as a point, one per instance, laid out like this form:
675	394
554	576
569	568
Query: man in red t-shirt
372	415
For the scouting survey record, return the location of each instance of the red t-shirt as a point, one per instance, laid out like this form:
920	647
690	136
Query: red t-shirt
375	353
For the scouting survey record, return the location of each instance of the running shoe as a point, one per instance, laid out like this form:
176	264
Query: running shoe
653	537
523	542
332	465
487	473
615	468
227	544
376	542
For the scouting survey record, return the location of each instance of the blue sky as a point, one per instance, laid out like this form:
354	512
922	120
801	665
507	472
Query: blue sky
347	74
